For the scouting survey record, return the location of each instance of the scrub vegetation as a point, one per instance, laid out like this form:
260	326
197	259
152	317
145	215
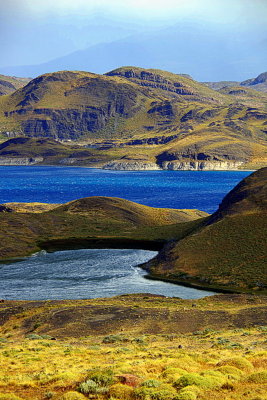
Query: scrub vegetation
116	349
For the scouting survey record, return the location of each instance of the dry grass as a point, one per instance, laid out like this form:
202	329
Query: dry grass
205	365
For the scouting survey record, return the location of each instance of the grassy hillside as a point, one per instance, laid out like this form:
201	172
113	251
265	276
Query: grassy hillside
225	251
229	251
91	222
9	84
50	151
134	347
153	115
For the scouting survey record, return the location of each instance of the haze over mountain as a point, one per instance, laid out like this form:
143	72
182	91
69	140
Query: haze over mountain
210	40
205	53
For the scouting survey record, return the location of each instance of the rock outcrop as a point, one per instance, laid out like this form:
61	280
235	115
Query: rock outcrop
202	165
131	165
20	160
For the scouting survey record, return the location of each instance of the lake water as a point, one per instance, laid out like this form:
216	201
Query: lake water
173	189
83	274
102	272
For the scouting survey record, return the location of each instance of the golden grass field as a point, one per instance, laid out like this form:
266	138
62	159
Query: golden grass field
147	358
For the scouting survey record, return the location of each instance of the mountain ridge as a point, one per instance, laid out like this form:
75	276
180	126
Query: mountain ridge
163	120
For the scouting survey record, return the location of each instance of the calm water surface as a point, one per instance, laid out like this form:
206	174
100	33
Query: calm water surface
102	273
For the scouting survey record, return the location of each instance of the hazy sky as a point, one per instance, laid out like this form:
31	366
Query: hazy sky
36	31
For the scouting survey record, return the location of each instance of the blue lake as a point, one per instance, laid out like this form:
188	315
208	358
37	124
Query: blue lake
102	272
173	189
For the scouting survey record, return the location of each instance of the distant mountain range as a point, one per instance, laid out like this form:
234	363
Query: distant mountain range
206	53
136	118
259	83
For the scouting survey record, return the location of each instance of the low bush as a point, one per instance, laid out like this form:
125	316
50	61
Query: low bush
9	396
88	387
73	396
231	372
121	391
238	362
258	377
103	377
161	392
205	382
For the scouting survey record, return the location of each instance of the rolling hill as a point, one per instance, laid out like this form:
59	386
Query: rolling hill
89	222
229	250
225	251
136	118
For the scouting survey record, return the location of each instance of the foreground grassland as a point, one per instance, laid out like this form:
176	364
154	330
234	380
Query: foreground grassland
134	347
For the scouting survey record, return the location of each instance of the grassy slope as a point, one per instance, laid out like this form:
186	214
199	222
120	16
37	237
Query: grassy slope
203	115
230	251
52	152
209	349
9	84
87	222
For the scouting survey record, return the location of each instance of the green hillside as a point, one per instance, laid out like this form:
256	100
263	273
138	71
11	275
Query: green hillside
224	251
9	84
90	222
229	250
138	118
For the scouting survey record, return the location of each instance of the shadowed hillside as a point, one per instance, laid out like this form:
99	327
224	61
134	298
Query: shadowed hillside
229	250
90	222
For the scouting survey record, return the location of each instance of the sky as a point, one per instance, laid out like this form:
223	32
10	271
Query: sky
37	31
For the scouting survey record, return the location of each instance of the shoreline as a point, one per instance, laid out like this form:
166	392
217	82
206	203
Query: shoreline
130	170
132	244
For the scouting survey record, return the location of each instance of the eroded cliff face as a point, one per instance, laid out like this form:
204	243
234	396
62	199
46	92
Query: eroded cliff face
202	165
176	165
20	160
131	165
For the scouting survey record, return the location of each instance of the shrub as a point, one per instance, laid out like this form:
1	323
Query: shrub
88	387
162	392
33	336
186	395
231	372
121	391
172	373
151	383
113	339
206	382
258	377
49	395
9	396
72	396
103	377
237	362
